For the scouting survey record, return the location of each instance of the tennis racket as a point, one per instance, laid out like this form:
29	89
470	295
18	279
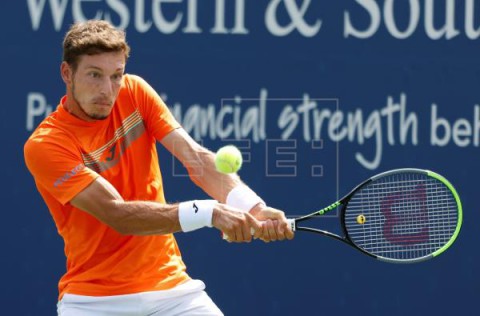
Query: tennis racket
398	216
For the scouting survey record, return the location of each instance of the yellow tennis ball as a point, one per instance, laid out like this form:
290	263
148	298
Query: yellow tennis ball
361	219
228	159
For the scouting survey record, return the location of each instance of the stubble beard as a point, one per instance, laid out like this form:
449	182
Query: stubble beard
92	116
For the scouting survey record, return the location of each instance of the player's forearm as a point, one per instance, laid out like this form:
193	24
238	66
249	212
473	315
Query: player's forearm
202	171
101	200
144	218
200	163
225	188
148	218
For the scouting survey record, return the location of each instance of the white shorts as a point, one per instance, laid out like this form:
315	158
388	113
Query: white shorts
188	298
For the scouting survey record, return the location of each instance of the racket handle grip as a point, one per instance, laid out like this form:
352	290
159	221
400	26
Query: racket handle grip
290	221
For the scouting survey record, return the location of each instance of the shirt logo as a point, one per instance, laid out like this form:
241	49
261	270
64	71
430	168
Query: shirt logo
108	155
68	175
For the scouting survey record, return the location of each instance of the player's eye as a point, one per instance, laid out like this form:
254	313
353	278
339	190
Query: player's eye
95	75
117	77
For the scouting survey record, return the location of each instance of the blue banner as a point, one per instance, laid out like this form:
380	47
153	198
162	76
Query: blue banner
318	95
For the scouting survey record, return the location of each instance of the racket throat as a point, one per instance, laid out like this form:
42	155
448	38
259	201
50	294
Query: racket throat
320	212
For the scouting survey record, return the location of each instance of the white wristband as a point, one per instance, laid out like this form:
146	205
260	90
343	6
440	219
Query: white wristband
243	198
196	214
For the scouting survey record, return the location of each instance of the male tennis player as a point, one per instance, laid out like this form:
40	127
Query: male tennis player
95	164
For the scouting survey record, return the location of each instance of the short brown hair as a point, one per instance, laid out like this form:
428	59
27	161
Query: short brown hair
93	37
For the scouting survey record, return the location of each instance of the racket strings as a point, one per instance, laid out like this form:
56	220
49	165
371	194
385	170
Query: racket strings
407	216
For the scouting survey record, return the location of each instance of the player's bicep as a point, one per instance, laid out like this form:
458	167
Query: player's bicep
99	199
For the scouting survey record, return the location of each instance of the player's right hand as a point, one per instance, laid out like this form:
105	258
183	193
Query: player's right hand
237	225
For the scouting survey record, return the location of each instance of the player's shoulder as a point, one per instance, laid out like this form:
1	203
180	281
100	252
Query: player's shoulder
134	88
49	133
132	80
46	147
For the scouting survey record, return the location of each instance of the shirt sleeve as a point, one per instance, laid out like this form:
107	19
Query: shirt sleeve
155	113
57	167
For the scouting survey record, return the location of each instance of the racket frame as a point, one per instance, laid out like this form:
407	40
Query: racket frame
343	202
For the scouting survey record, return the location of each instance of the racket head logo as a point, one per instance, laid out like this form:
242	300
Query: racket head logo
409	224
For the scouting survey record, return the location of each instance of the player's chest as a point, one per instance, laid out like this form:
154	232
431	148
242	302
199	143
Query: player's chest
106	147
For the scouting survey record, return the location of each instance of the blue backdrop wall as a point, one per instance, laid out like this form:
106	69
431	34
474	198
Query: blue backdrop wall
318	95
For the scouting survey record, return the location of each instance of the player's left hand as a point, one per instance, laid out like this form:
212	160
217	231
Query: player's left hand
274	224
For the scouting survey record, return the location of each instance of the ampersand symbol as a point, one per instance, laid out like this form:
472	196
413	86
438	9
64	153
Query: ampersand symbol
296	14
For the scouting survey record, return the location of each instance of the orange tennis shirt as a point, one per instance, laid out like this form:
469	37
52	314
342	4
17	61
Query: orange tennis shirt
66	154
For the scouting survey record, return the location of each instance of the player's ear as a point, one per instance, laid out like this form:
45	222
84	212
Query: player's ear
66	72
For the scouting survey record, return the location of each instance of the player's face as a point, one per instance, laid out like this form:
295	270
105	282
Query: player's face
95	84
